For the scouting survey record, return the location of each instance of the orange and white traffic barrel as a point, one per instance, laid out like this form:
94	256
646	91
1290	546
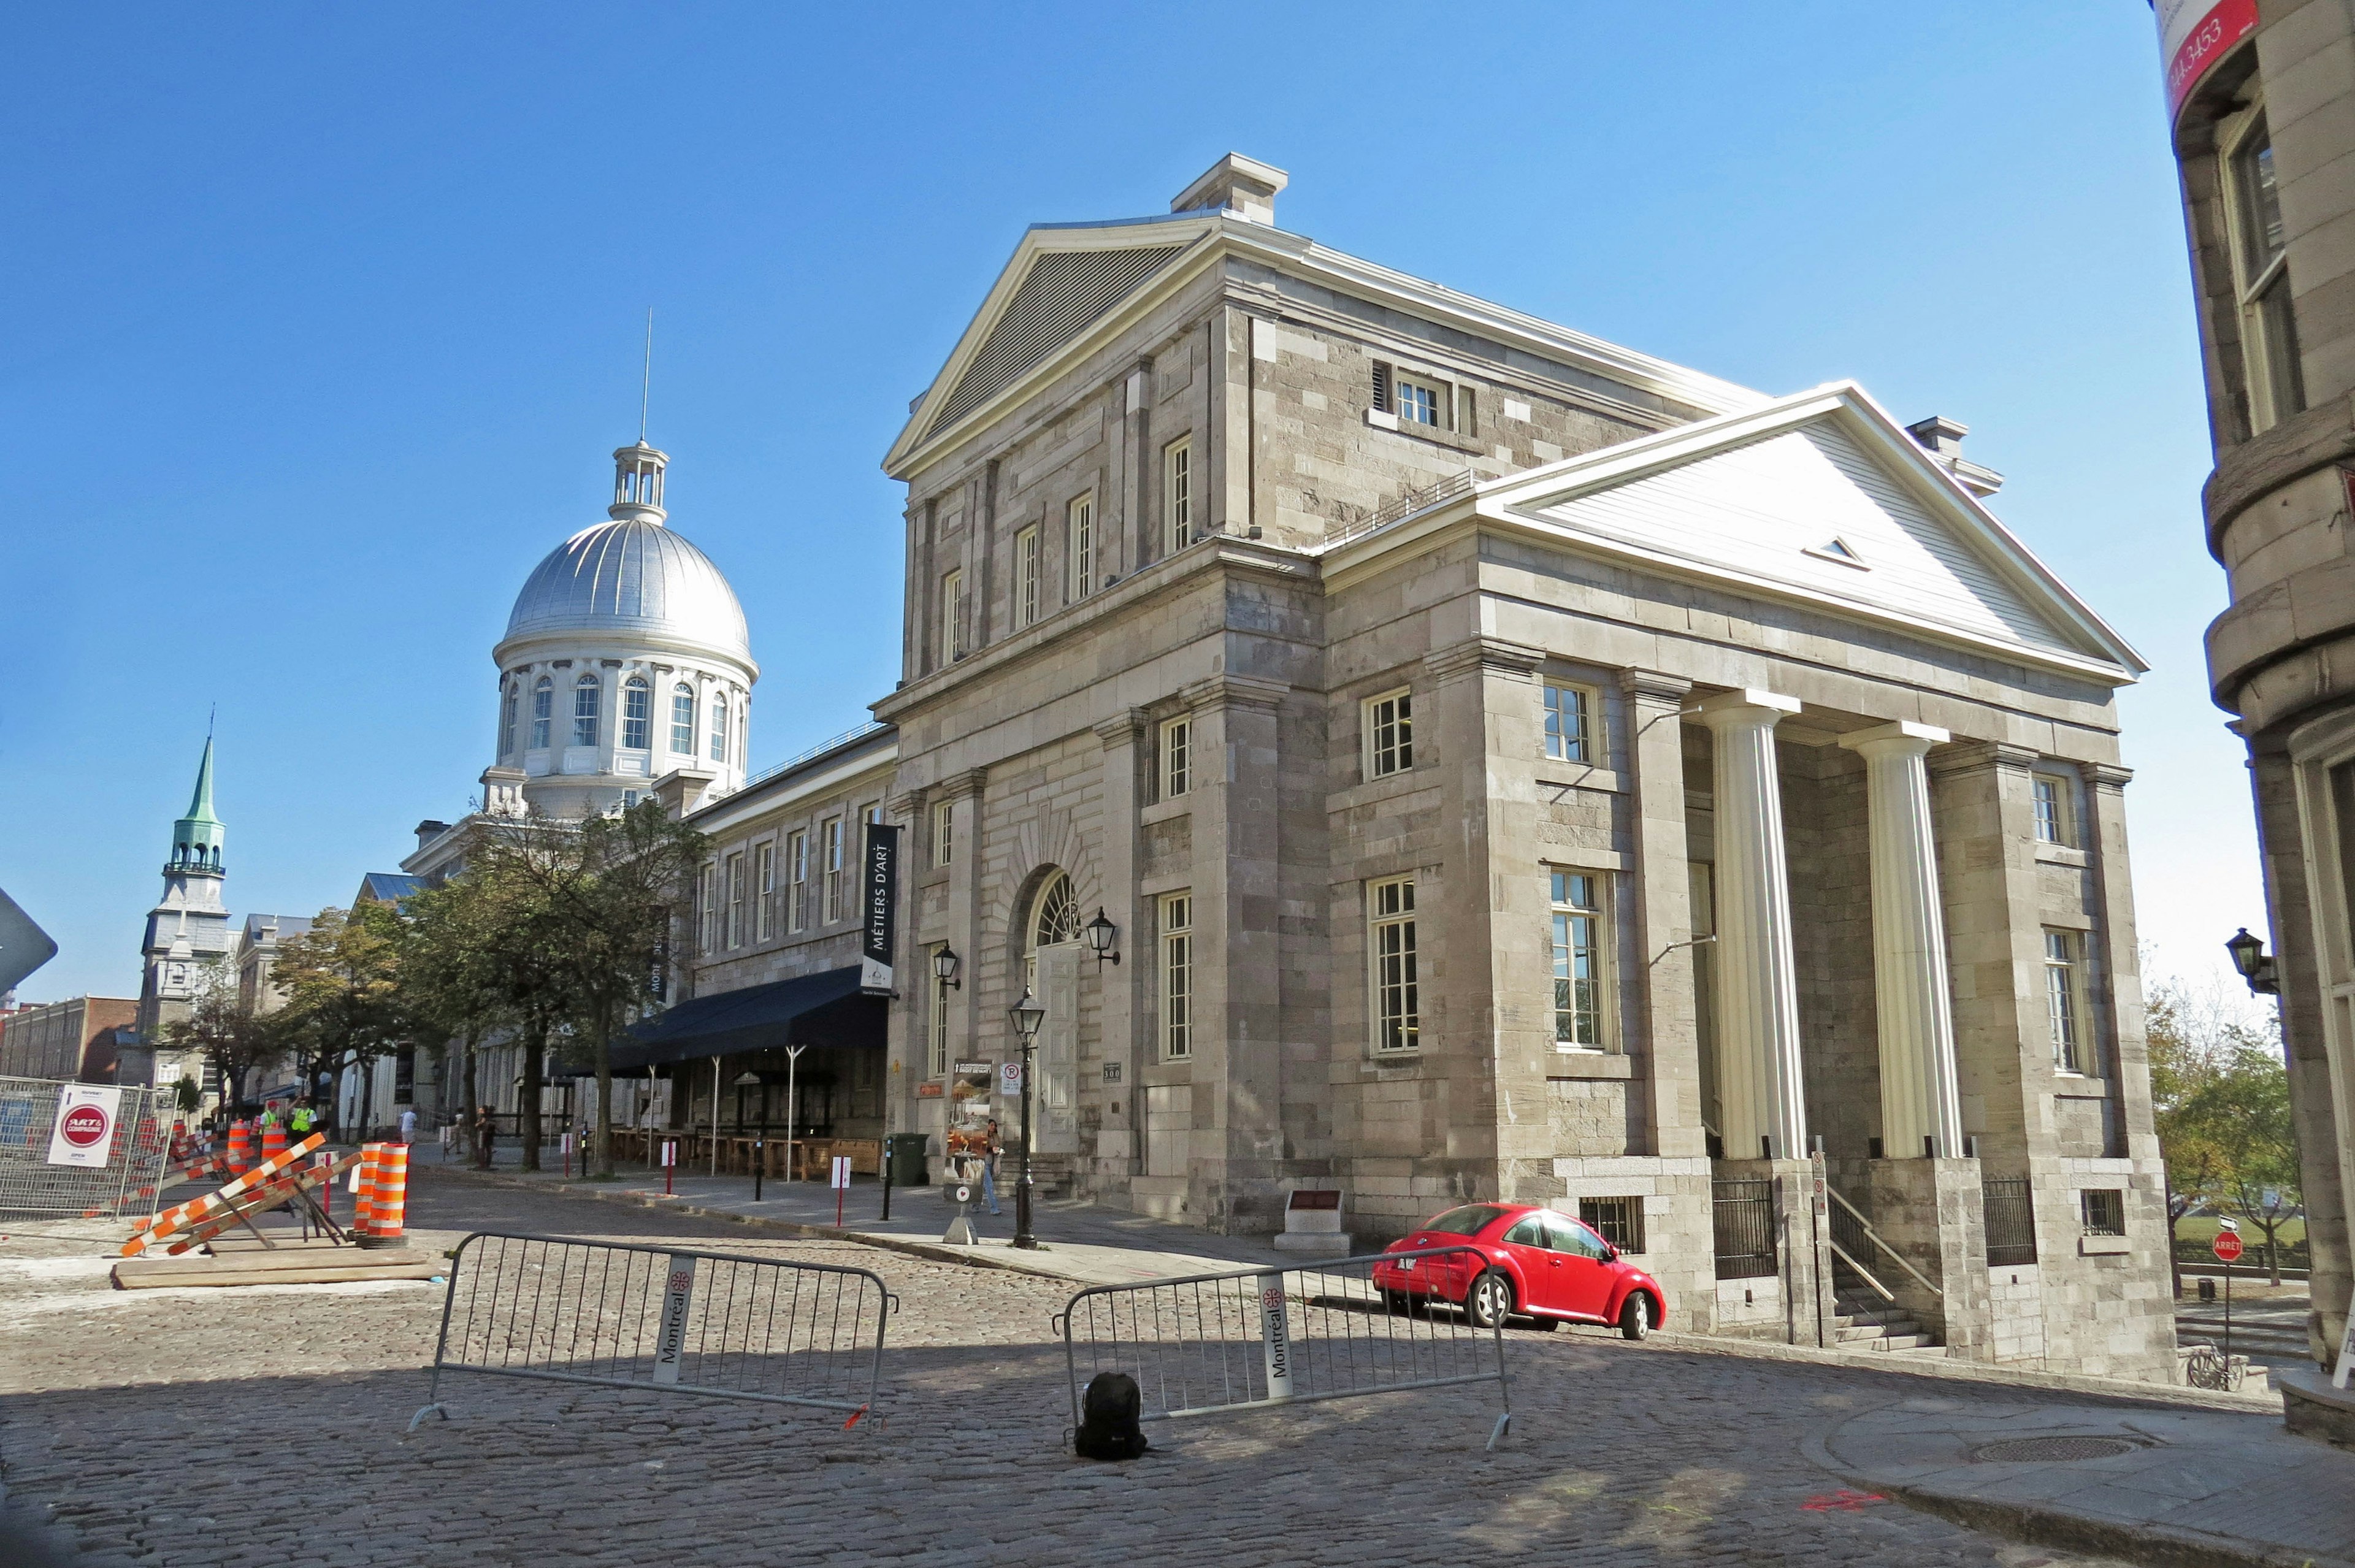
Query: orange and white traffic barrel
392	1200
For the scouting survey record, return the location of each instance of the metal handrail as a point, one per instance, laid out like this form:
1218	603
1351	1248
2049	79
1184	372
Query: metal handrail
1404	506
856	733
1875	1236
1861	1272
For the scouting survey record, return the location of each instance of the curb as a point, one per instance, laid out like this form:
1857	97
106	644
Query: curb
2160	1545
1979	1372
934	1251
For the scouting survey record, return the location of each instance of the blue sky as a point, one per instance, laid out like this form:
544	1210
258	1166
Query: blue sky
326	320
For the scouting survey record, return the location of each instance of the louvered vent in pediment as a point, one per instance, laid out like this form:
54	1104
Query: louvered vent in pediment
1063	294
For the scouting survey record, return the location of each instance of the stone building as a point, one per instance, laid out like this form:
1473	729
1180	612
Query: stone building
2262	98
64	1040
1514	767
188	930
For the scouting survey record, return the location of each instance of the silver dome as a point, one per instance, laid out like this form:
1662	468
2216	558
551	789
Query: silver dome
632	574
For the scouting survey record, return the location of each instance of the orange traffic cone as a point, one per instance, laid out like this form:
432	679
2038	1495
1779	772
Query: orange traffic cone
364	1194
391	1196
273	1139
241	1148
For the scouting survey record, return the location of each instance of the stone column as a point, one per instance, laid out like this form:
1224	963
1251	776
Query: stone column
1921	1104
1758	1013
1654	767
1116	1150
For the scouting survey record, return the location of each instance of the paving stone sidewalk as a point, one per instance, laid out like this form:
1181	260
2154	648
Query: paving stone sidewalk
2154	1485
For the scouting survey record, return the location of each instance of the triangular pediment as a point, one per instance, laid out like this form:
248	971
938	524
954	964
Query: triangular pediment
1820	497
1058	285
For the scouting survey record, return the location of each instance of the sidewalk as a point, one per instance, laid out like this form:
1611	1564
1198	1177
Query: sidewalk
1084	1242
2162	1485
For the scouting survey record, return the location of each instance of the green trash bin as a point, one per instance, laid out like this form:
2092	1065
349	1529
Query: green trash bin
906	1151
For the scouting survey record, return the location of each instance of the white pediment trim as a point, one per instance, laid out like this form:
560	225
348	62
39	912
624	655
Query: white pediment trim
2083	644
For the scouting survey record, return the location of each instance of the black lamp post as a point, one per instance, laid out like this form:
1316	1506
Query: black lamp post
750	1079
2249	959
1103	937
1027	1015
945	964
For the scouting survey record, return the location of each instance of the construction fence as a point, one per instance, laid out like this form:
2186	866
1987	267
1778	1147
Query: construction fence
106	1160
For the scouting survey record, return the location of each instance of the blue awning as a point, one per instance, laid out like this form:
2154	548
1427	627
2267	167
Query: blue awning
824	1008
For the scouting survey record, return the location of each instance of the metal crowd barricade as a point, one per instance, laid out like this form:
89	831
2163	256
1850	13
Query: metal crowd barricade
1255	1339
136	1156
721	1325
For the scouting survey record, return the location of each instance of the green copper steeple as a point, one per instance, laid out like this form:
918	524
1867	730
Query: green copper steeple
196	838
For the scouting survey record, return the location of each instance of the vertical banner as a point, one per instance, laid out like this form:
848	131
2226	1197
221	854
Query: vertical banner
2193	35
1275	1334
84	1131
879	864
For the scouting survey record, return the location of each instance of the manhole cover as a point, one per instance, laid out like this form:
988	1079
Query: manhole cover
2049	1450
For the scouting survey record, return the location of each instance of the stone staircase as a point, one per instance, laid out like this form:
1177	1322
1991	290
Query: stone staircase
1862	1321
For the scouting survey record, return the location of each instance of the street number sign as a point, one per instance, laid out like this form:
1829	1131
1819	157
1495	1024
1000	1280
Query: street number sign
2228	1247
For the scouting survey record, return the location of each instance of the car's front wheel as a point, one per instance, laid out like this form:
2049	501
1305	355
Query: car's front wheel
1635	1316
1490	1300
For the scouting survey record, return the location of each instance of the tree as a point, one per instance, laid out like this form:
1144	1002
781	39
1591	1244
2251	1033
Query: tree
342	995
2219	1098
231	1041
458	973
602	895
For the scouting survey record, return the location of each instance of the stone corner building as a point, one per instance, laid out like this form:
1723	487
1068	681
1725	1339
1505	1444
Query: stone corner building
1517	768
2261	98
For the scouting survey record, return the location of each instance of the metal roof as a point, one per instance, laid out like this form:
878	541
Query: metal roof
633	574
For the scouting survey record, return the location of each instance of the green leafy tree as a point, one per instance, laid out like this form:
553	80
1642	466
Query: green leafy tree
231	1042
341	979
458	971
2243	1110
602	895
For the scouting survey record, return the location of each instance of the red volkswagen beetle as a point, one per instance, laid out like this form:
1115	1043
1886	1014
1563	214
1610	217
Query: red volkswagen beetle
1522	1261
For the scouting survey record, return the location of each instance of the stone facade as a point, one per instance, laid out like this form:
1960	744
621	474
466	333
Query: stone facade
1515	768
2264	132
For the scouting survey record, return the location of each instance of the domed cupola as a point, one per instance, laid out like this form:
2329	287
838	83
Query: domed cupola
626	658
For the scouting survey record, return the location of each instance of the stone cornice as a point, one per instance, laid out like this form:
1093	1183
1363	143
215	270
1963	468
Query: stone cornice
1971	755
1494	655
2106	776
1124	727
1651	686
906	806
956	786
1234	692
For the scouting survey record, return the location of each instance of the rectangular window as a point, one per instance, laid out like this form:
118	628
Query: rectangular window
682	719
2064	998
952	616
1079	548
1026	577
765	893
939	1044
1578	963
1389	735
2104	1211
637	716
1419	402
1176	771
707	895
943	832
1176	496
872	812
736	900
585	711
543	711
2269	331
1568	727
1397	1007
1618	1220
797	882
831	840
2053	825
1176	976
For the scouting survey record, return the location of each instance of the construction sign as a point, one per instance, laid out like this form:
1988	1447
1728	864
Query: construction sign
84	1131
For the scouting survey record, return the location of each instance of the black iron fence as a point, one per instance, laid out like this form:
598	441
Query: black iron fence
1743	1217
2011	1223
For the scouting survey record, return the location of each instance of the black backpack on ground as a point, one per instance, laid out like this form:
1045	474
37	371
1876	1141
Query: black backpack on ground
1108	1418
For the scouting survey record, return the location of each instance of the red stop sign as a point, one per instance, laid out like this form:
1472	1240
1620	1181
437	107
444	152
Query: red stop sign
2228	1246
86	1126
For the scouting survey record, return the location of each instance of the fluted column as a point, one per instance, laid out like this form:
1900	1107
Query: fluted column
1760	1089
1921	1104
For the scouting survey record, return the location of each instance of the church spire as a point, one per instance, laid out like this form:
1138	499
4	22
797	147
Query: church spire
196	838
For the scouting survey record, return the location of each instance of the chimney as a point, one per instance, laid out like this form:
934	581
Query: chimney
1941	438
1242	187
429	830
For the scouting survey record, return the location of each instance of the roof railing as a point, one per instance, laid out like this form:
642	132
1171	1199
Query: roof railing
856	733
1437	492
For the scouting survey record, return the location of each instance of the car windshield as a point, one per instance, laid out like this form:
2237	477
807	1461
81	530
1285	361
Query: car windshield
1467	1220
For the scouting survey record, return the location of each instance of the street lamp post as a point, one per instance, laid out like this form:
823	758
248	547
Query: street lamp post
760	1143
1027	1015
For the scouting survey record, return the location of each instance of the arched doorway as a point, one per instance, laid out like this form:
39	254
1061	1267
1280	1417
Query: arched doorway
1050	970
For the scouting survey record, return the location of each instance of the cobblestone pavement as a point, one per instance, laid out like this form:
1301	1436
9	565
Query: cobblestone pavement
264	1426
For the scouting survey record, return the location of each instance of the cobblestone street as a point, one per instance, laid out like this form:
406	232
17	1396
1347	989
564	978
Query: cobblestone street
264	1426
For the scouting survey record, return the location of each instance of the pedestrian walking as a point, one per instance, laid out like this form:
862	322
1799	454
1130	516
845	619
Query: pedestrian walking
484	1131
408	1124
989	1169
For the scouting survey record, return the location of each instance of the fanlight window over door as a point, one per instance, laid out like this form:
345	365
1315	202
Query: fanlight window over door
1054	918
